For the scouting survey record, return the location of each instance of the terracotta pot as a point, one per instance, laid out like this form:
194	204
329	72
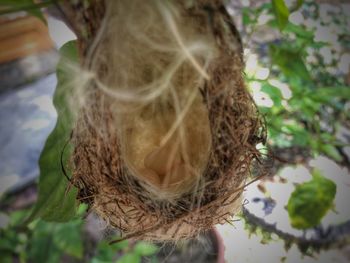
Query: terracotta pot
219	244
194	251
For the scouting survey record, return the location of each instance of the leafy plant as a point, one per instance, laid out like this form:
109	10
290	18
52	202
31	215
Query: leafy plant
141	249
296	120
281	13
307	101
51	242
40	241
310	201
127	253
33	8
55	203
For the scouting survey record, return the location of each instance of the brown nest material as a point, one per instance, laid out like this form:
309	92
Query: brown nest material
103	176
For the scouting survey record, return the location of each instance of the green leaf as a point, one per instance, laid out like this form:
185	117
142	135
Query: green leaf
297	5
246	16
301	138
6	258
331	151
119	245
106	252
97	260
310	201
290	62
10	6
281	13
300	32
145	249
8	240
17	217
42	248
129	258
339	92
52	240
67	237
273	92
54	203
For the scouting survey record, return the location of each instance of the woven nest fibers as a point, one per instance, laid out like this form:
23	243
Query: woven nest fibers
166	136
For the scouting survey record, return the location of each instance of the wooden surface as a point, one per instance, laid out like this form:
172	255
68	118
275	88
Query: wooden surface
21	37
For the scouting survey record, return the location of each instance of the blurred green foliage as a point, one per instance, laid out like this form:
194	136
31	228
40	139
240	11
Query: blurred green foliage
53	229
311	116
281	13
55	203
40	241
310	201
31	6
49	242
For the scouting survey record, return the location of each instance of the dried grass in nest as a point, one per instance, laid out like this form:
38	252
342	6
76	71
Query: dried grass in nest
106	180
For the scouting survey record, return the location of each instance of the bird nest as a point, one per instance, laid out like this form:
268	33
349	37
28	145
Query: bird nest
113	139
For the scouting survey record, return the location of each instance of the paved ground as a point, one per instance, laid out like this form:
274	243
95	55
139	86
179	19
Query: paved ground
27	117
